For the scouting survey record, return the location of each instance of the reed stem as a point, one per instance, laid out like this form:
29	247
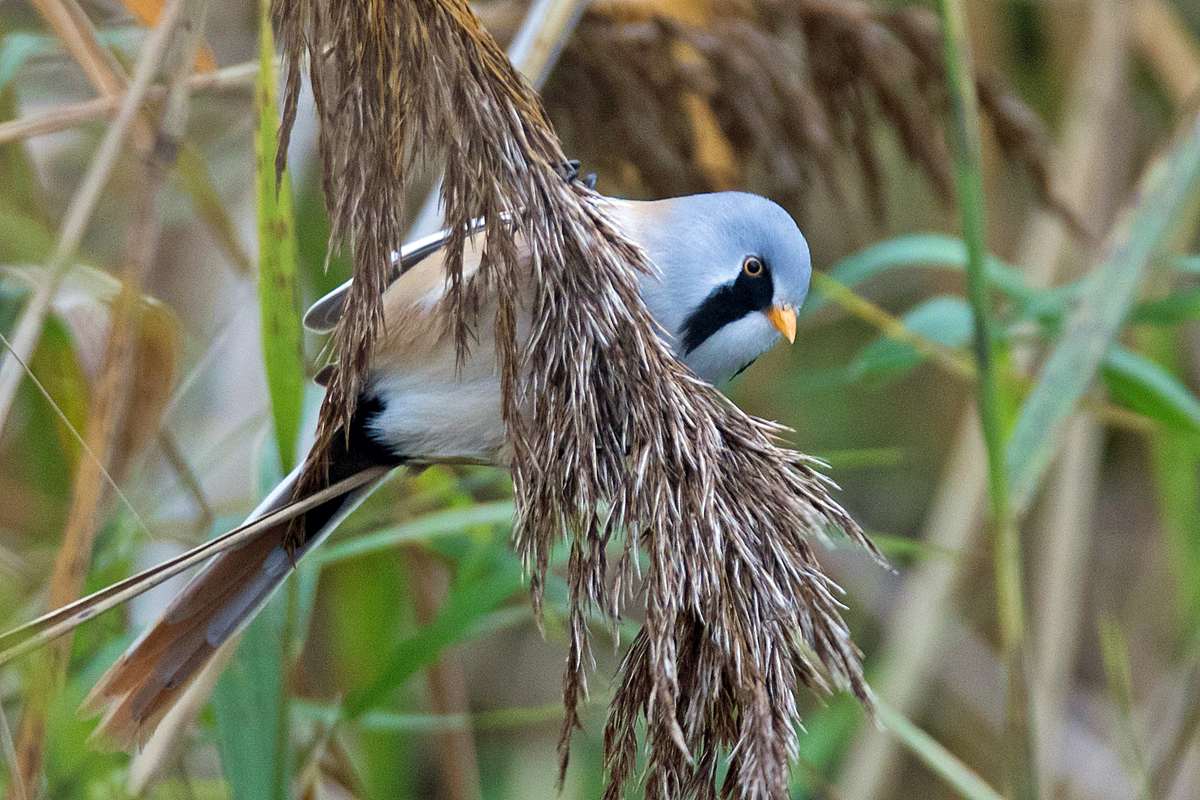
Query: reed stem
1021	773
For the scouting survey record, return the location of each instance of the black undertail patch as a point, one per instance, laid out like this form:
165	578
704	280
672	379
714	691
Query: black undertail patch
349	455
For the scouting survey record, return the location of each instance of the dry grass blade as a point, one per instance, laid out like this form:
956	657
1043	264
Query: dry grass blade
67	116
1169	48
1173	757
328	774
78	35
740	615
239	77
108	76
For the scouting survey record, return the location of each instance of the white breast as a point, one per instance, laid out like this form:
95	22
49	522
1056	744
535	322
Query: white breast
430	415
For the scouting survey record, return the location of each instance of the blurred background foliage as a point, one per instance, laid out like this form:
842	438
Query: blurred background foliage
403	661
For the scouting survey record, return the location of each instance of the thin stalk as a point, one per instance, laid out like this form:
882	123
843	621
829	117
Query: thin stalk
956	363
79	438
1114	651
77	33
81	40
965	140
188	480
966	782
948	358
458	763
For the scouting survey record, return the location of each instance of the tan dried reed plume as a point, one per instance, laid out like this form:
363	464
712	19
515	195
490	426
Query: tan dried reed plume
614	441
790	85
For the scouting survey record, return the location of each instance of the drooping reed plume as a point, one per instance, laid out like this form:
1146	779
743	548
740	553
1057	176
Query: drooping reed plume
613	441
786	93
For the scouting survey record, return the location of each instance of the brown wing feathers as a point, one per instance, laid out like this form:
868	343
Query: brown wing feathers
209	615
143	684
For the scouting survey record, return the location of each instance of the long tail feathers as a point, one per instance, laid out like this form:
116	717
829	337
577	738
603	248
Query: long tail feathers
143	685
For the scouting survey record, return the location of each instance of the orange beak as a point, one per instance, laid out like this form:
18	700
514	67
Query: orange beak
784	320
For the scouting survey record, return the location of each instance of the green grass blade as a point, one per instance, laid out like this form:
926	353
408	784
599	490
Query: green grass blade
283	342
1114	650
466	603
1174	309
428	526
906	550
22	189
945	320
936	251
248	702
394	722
23	238
1175	467
947	766
24	232
864	457
1093	325
1140	384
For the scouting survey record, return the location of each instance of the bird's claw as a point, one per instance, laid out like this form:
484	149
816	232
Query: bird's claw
570	173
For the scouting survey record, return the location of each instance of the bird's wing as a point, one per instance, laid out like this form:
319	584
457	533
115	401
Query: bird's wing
417	334
323	315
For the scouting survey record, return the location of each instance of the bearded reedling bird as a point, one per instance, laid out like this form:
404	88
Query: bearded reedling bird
732	270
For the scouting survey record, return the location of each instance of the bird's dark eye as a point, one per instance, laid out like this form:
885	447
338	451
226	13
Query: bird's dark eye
752	266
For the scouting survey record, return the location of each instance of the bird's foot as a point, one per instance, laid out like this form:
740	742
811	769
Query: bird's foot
570	173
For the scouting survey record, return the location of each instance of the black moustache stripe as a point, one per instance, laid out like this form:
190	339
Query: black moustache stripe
725	304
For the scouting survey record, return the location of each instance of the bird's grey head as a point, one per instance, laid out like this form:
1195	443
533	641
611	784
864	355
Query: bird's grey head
733	271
